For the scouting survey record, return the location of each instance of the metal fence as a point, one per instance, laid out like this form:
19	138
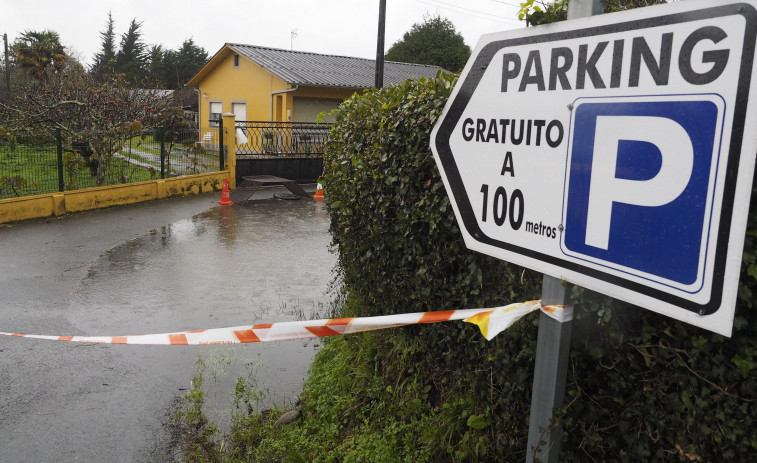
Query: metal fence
281	138
57	162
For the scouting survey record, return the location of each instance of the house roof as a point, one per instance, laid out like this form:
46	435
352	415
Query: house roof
314	69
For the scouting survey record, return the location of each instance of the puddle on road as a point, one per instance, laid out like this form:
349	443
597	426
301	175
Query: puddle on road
265	262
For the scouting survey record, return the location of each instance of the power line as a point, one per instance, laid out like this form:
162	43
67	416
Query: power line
516	5
468	11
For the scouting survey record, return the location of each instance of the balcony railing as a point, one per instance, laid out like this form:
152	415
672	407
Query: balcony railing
281	138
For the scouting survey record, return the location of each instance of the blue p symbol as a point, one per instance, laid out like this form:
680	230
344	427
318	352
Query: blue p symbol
639	191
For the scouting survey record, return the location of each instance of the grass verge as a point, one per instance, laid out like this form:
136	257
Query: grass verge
356	406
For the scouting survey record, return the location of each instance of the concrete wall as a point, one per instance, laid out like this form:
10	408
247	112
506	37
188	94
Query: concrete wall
57	204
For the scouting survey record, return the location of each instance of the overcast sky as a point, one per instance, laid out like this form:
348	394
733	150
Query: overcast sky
341	27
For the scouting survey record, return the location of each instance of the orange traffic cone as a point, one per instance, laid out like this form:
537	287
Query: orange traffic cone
225	200
318	190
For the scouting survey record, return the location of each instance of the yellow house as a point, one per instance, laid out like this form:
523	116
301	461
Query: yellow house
267	84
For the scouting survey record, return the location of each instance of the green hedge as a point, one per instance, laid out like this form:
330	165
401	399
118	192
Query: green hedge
641	387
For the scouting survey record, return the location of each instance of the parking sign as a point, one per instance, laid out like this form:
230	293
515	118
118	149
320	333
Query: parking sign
615	152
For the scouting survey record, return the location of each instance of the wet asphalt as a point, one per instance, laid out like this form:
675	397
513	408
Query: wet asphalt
168	265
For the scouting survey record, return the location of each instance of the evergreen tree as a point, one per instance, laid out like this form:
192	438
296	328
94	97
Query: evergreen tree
131	59
169	69
434	42
156	67
105	60
184	63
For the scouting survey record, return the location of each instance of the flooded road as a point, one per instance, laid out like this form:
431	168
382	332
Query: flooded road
129	271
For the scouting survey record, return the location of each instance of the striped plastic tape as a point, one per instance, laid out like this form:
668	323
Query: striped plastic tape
490	321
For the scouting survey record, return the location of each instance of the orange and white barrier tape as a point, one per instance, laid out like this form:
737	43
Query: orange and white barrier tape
490	321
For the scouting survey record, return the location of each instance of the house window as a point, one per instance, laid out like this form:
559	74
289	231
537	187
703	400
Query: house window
236	61
240	111
240	114
214	113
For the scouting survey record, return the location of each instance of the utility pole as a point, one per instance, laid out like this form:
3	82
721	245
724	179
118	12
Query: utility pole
7	70
380	45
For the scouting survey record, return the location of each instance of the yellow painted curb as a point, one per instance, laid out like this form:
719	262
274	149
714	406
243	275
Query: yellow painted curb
58	204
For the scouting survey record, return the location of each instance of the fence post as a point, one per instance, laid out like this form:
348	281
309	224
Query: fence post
220	143
229	123
162	133
59	140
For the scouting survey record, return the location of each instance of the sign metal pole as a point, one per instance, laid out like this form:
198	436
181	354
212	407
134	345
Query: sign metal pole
553	342
550	373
